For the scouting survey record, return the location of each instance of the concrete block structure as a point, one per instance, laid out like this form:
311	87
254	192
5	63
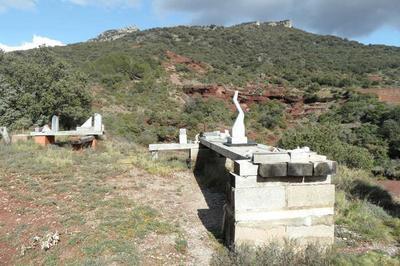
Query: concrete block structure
272	194
277	201
93	127
276	194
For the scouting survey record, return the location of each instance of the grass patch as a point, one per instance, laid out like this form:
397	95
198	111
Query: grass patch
181	244
290	254
366	210
101	227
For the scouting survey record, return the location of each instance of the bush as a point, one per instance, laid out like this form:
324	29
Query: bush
34	88
269	114
325	139
207	115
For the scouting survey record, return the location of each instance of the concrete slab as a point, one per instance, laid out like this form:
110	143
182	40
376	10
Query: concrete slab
310	196
300	169
273	170
259	198
322	169
324	234
271	157
251	234
172	147
283	214
245	168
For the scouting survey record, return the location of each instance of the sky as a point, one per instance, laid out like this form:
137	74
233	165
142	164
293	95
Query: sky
25	24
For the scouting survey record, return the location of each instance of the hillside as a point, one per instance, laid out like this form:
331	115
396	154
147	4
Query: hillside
114	205
286	77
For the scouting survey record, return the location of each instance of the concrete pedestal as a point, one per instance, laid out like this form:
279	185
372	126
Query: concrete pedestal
260	210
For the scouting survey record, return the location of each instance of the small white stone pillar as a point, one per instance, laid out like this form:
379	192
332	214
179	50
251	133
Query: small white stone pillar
4	133
98	124
182	136
238	134
55	123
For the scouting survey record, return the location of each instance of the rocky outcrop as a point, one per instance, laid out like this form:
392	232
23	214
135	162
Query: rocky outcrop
283	23
112	35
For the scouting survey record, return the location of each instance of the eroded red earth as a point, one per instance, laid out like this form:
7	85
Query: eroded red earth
20	221
387	95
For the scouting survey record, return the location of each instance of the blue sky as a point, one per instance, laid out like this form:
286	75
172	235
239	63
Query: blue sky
70	21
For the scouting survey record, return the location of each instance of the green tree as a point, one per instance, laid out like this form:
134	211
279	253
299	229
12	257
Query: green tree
35	87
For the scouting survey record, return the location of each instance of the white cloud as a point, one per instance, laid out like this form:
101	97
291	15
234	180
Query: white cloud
107	3
35	43
16	4
345	17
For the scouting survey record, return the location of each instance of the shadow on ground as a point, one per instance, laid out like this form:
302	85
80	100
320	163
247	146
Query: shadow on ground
212	177
376	195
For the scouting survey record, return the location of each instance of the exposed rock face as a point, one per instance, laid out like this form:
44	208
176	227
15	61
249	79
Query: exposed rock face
283	23
112	35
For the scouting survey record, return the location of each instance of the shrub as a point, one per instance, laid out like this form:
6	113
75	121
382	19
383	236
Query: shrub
210	113
324	139
269	114
34	88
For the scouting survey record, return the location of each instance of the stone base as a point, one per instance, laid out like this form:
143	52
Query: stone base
44	140
236	140
253	234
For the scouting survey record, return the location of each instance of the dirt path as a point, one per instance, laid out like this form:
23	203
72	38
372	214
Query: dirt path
181	202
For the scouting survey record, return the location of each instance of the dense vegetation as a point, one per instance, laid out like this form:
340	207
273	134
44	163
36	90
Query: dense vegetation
35	87
249	53
361	133
129	80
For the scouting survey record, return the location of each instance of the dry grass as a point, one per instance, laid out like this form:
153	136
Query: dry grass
67	191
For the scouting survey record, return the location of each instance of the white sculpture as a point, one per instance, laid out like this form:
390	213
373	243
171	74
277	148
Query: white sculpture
88	123
238	130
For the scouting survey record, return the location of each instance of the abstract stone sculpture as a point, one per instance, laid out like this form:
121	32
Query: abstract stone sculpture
238	130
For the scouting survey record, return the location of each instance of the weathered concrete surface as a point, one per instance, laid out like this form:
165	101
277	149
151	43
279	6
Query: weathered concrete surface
300	169
262	233
260	198
323	234
172	147
271	157
245	168
310	196
251	234
282	214
273	170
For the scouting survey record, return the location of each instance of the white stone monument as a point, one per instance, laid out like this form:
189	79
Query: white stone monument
238	134
4	133
98	124
55	124
182	136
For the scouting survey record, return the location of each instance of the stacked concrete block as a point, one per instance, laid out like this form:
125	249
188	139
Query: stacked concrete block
287	196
